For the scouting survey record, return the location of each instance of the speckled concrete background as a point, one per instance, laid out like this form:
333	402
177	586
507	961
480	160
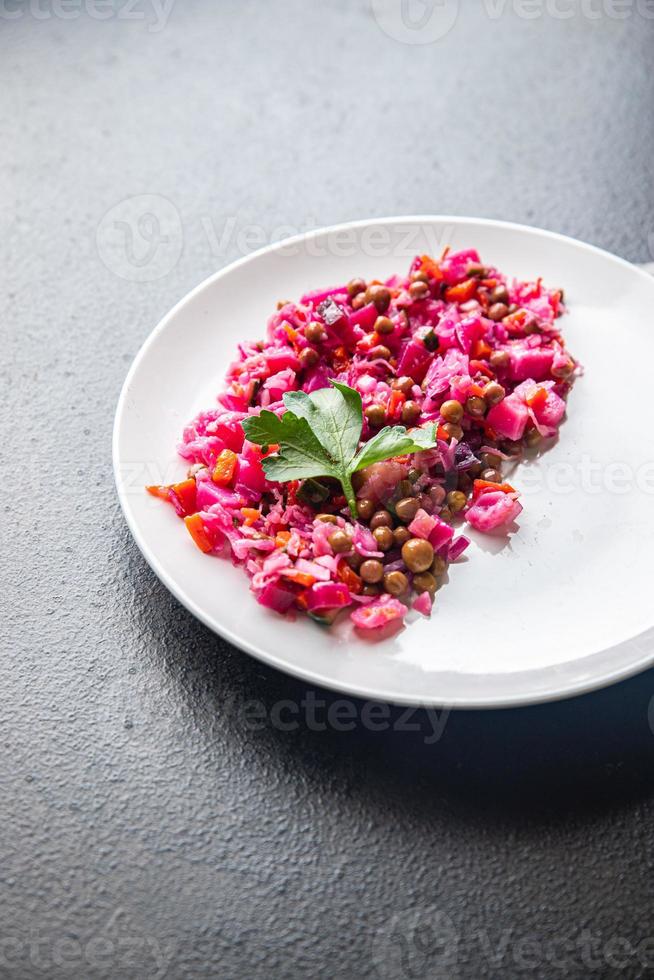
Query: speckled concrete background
153	821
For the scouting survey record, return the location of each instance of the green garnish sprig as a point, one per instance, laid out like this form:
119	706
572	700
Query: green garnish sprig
319	434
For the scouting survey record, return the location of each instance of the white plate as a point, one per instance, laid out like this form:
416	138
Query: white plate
562	607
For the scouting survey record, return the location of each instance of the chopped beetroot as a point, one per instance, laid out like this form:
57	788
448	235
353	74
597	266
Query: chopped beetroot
509	418
278	360
441	534
531	362
549	414
328	595
365	317
457	547
422	525
415	360
276	597
423	604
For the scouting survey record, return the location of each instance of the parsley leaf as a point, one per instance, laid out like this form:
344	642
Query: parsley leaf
300	454
394	441
335	414
319	435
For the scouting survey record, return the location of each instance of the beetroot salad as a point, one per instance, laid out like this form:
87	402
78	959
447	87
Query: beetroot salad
373	420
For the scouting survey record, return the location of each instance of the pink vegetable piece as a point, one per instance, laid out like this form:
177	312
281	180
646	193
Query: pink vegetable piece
312	568
457	547
441	534
250	475
276	597
327	595
230	430
279	360
455	266
509	418
550	414
493	509
414	361
423	524
531	362
365	317
423	604
378	613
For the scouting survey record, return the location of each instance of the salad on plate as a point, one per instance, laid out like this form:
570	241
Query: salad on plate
350	445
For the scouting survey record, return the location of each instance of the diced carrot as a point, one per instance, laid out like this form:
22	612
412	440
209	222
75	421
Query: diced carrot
163	493
181	495
368	341
481	367
432	268
395	403
223	472
480	349
340	359
282	538
476	390
251	515
538	399
480	486
462	292
349	577
300	578
197	530
186	492
514	322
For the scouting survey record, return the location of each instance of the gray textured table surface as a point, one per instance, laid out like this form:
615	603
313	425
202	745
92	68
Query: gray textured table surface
153	822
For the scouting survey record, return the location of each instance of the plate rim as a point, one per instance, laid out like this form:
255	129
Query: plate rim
560	691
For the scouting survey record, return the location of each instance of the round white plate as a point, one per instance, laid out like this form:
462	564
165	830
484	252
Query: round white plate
561	607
